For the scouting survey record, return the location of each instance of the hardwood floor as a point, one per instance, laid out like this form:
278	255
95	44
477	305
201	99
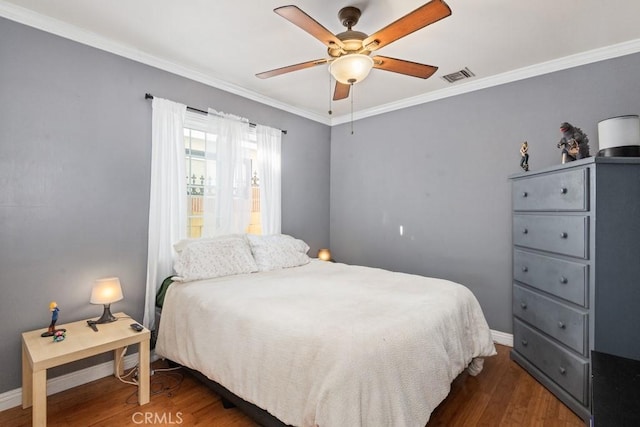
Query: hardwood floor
502	395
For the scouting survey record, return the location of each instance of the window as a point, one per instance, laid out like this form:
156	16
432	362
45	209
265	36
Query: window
168	204
201	158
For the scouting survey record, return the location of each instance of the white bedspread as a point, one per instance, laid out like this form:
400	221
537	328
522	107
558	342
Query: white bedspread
326	344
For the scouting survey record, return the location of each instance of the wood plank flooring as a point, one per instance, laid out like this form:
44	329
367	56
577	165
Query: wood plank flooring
502	395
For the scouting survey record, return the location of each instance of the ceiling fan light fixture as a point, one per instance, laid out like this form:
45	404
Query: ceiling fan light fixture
351	69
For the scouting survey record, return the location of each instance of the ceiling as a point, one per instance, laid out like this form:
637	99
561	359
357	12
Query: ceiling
225	43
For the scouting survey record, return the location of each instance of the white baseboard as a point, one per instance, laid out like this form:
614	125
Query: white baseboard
502	338
55	385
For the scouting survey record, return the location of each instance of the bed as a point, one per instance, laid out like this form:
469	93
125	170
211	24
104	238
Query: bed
322	343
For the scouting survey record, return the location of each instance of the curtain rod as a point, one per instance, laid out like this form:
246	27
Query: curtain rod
197	110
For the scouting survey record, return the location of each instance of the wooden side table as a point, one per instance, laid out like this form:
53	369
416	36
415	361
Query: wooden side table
40	354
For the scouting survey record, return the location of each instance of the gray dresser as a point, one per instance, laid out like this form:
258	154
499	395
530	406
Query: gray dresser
576	271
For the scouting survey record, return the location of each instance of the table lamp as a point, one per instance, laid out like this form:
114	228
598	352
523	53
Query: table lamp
105	291
324	254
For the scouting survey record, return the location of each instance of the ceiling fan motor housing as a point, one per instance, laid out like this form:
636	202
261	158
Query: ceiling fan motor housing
352	41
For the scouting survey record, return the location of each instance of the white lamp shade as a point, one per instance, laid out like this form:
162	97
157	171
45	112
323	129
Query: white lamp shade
619	132
352	68
106	291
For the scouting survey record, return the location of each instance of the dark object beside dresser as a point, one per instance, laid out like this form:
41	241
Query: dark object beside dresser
576	272
616	390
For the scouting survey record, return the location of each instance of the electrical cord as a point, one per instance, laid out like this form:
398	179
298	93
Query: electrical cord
166	369
122	377
167	383
158	383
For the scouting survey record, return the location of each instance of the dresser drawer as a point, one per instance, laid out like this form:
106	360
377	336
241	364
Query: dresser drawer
559	191
566	324
566	235
564	368
565	279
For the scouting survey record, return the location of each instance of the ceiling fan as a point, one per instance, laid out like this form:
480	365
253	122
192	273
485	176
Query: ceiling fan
349	52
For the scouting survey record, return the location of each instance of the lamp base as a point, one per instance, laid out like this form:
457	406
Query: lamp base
106	317
622	151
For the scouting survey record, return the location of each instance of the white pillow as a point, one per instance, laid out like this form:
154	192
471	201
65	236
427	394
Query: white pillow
278	251
217	257
182	244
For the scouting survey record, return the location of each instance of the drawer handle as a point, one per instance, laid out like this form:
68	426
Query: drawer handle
525	343
563	235
523	305
563	190
562	370
525	231
524	194
525	269
564	280
561	325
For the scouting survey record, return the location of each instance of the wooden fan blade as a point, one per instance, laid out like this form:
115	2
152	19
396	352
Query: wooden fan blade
296	16
341	91
290	68
404	67
426	14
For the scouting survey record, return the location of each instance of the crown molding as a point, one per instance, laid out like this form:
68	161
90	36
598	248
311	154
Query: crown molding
71	32
59	28
588	57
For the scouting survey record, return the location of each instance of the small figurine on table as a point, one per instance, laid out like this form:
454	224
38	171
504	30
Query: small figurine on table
51	332
524	153
59	335
574	143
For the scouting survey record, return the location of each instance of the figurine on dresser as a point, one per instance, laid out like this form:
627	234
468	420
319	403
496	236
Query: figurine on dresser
574	143
524	156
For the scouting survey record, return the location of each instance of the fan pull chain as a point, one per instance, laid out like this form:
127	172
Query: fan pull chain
352	95
330	112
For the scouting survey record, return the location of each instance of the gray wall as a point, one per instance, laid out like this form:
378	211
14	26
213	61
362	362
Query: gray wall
74	177
440	170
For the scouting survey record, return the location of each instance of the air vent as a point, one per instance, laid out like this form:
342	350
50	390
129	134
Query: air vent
459	75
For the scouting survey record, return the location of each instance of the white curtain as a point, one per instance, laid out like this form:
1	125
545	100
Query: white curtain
228	202
168	199
269	147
